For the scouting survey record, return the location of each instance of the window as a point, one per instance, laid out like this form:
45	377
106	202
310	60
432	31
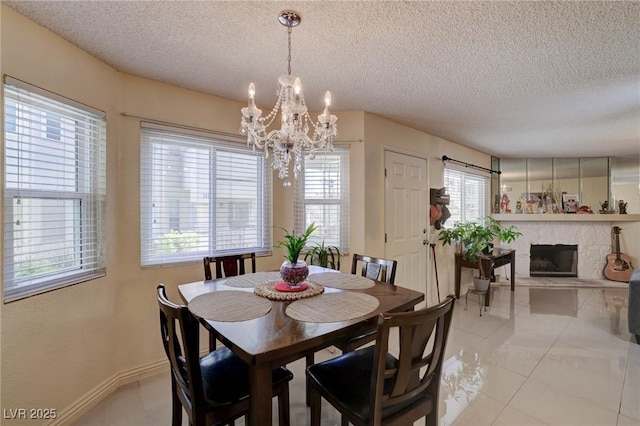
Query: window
468	196
55	190
201	196
322	197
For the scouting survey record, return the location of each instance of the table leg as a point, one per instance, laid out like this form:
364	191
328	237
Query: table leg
260	392
486	266
513	270
457	267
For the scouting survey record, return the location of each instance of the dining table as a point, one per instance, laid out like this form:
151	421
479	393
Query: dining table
268	328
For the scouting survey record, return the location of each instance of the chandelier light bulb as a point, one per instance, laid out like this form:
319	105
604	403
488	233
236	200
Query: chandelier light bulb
252	90
327	98
297	86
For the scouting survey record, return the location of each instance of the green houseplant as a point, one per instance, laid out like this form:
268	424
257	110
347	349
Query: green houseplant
324	255
293	270
476	238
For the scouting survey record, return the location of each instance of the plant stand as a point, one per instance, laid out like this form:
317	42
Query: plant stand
499	257
482	296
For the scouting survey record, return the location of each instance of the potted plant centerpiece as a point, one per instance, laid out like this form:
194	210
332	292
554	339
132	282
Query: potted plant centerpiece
294	271
324	255
476	238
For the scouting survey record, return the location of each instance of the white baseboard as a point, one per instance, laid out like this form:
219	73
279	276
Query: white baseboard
97	394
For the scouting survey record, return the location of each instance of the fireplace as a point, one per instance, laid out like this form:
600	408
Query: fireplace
587	231
557	260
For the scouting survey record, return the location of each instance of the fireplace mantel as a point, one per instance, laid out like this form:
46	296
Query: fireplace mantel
566	217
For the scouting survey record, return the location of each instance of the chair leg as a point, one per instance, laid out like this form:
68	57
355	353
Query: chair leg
344	421
316	404
309	362
284	413
176	405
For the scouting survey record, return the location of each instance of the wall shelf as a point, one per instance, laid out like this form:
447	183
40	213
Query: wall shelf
566	217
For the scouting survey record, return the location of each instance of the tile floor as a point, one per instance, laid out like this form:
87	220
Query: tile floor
539	356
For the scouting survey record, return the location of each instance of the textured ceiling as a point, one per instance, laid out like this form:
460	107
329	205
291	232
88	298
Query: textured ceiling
513	79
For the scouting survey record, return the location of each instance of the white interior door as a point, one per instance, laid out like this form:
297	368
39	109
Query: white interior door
406	221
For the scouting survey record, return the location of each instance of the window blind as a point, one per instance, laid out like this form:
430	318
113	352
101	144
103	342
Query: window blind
468	196
201	196
322	197
54	189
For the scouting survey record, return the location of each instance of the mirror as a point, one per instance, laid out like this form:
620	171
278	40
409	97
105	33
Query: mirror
593	180
625	183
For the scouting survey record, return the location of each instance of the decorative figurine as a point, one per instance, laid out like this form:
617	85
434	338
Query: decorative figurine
529	207
622	207
604	207
519	206
504	203
545	203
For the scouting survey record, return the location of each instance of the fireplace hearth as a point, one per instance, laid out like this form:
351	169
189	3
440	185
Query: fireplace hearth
553	260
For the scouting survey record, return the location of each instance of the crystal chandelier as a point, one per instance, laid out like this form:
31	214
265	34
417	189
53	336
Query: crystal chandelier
292	137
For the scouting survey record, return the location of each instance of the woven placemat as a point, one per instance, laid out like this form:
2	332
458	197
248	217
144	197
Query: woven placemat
332	307
268	290
251	280
343	281
229	305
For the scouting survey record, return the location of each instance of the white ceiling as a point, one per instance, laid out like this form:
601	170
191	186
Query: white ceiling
513	79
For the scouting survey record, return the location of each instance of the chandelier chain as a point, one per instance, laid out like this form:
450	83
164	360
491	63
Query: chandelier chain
289	45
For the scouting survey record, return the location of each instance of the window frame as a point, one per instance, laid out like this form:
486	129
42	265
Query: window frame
466	174
300	203
29	110
215	143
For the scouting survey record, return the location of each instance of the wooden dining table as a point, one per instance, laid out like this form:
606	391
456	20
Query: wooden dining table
275	338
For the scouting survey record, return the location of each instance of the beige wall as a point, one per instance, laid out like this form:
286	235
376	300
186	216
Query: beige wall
382	134
63	347
59	345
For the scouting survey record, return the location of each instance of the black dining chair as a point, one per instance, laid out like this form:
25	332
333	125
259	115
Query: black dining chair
214	389
370	386
228	266
375	268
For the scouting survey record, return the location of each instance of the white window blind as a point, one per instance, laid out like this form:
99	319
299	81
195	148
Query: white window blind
201	196
54	191
322	197
468	196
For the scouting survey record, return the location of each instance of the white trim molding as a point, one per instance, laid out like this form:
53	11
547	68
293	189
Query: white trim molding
73	412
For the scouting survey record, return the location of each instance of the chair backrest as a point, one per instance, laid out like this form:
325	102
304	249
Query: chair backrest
228	266
180	338
422	338
375	268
